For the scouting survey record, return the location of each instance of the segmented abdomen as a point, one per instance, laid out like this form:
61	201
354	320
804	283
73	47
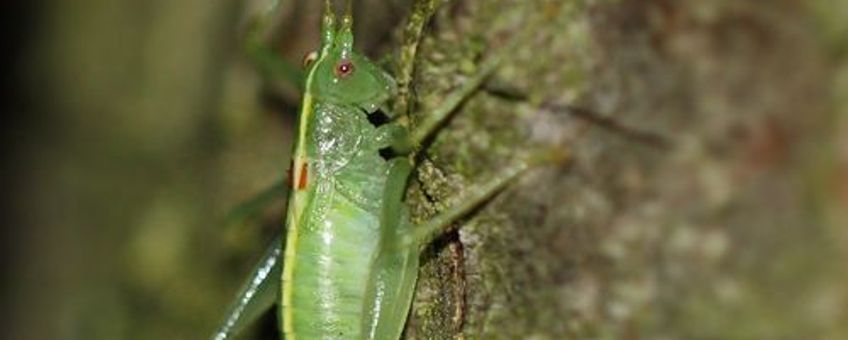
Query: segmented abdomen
336	243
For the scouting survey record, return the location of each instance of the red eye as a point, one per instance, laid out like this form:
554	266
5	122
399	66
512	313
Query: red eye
344	68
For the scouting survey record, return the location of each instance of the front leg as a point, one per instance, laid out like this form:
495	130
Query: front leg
395	135
422	11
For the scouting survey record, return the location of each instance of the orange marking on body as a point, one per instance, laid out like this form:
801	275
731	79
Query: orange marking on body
303	177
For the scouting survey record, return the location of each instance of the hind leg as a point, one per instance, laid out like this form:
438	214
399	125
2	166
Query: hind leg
395	269
258	294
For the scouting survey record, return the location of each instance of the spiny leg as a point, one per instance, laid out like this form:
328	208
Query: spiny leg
266	59
258	294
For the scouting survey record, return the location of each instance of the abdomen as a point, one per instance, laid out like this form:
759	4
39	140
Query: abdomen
335	244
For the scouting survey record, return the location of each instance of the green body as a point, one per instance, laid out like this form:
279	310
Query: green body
333	227
333	282
349	264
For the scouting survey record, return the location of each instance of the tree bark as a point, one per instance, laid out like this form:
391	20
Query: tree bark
700	196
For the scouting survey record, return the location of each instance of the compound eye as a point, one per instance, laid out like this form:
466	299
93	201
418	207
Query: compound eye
344	68
309	58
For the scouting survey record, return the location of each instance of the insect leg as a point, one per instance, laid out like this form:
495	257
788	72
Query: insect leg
393	209
434	119
422	11
259	293
268	61
449	105
388	134
473	197
392	283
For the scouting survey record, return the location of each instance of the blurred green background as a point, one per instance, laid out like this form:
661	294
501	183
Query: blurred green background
138	125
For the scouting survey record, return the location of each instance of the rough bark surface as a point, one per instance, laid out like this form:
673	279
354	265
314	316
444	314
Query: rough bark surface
695	201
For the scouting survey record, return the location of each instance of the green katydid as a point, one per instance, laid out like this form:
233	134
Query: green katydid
349	264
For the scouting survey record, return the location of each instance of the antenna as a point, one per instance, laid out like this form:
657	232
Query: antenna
328	29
